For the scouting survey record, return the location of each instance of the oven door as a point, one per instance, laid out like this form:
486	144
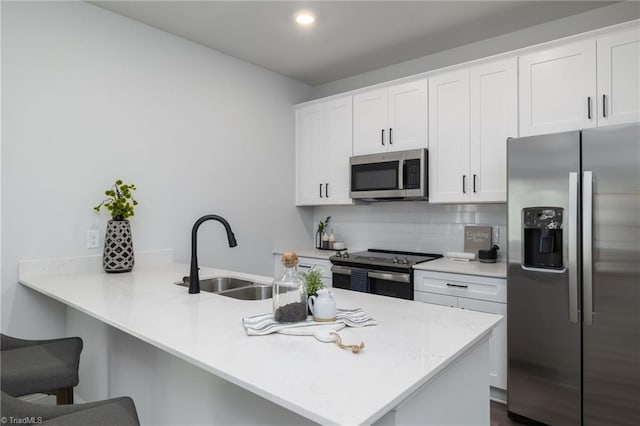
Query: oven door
385	283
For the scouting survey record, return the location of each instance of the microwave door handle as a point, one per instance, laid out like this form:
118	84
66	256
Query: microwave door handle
401	173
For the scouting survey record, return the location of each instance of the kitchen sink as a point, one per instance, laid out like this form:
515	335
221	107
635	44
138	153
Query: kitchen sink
252	292
232	287
218	284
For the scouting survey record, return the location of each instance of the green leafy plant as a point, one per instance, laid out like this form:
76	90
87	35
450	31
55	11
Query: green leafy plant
120	202
322	226
312	281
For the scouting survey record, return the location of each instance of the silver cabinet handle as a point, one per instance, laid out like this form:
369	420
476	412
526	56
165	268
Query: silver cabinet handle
573	247
587	247
457	285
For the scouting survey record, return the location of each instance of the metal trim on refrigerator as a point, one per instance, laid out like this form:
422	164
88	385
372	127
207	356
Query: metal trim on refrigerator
587	246
573	247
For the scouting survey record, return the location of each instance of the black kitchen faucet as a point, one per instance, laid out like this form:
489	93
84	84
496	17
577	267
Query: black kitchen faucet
194	278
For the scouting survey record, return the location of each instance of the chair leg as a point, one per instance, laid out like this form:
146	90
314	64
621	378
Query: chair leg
64	396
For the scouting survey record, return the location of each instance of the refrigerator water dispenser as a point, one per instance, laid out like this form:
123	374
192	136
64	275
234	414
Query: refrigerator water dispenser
542	232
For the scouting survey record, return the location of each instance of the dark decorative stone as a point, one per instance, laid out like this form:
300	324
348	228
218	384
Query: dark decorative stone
118	247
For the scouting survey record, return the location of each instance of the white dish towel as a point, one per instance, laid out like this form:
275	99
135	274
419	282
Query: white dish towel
262	324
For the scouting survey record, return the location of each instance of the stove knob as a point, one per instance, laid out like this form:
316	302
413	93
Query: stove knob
338	254
405	261
396	260
345	254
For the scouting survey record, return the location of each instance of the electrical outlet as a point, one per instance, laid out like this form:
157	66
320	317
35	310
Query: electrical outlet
93	239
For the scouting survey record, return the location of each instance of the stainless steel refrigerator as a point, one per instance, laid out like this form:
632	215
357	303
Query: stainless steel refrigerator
573	280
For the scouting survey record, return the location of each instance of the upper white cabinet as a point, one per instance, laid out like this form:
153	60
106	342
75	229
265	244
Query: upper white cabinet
449	120
323	148
619	77
472	112
494	118
390	119
558	89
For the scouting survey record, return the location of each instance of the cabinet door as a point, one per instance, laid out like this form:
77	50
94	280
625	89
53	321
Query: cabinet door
310	140
494	118
370	133
407	116
619	77
338	149
498	341
558	89
449	137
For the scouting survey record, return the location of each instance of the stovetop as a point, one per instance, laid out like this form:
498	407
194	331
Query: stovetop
382	258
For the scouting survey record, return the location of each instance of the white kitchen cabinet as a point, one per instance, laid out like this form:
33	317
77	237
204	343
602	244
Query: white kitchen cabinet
558	89
472	112
477	293
305	264
323	148
390	119
494	118
619	77
449	102
497	343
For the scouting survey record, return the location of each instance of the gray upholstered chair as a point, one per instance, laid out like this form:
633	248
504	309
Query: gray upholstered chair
40	366
110	412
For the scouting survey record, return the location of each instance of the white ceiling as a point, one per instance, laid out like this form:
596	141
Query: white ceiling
348	38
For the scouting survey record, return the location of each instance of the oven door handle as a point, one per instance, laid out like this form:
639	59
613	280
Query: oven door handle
380	275
340	270
391	276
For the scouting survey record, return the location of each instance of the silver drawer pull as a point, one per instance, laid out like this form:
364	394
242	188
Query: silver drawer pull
457	285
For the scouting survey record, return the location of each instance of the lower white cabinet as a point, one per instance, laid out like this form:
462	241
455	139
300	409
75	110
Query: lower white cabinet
305	264
482	294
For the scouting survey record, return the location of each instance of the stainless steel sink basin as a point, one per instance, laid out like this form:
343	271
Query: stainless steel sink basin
233	287
218	284
253	292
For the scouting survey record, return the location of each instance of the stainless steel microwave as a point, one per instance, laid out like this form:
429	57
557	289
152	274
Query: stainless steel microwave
401	175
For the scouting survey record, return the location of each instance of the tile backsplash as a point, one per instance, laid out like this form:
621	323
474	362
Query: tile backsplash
412	225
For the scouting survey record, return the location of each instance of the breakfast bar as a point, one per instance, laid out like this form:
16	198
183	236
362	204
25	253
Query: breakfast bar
186	358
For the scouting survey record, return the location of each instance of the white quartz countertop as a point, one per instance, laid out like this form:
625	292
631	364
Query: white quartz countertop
472	267
410	345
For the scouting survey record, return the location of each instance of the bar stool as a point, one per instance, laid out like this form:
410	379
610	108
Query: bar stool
117	411
40	366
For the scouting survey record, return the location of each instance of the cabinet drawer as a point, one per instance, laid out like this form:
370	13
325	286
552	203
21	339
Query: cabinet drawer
470	286
436	299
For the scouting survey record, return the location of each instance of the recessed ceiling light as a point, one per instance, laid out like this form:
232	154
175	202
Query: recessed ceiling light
305	18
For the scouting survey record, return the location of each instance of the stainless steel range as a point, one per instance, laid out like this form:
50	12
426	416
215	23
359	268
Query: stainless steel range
385	272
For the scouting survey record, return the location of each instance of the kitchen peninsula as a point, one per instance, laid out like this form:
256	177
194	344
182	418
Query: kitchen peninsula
186	358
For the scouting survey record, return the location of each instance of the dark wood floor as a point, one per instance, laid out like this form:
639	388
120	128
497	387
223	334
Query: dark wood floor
499	415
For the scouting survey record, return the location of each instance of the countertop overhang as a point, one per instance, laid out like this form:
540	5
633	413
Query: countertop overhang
411	344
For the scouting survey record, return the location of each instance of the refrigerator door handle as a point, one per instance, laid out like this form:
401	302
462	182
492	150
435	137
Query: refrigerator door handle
573	247
587	247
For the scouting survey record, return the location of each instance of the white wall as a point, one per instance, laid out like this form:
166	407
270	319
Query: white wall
412	225
89	96
582	22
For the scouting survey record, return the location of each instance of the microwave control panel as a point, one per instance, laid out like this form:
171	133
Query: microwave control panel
411	174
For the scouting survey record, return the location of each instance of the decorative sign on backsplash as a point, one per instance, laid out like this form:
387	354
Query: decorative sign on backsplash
477	238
